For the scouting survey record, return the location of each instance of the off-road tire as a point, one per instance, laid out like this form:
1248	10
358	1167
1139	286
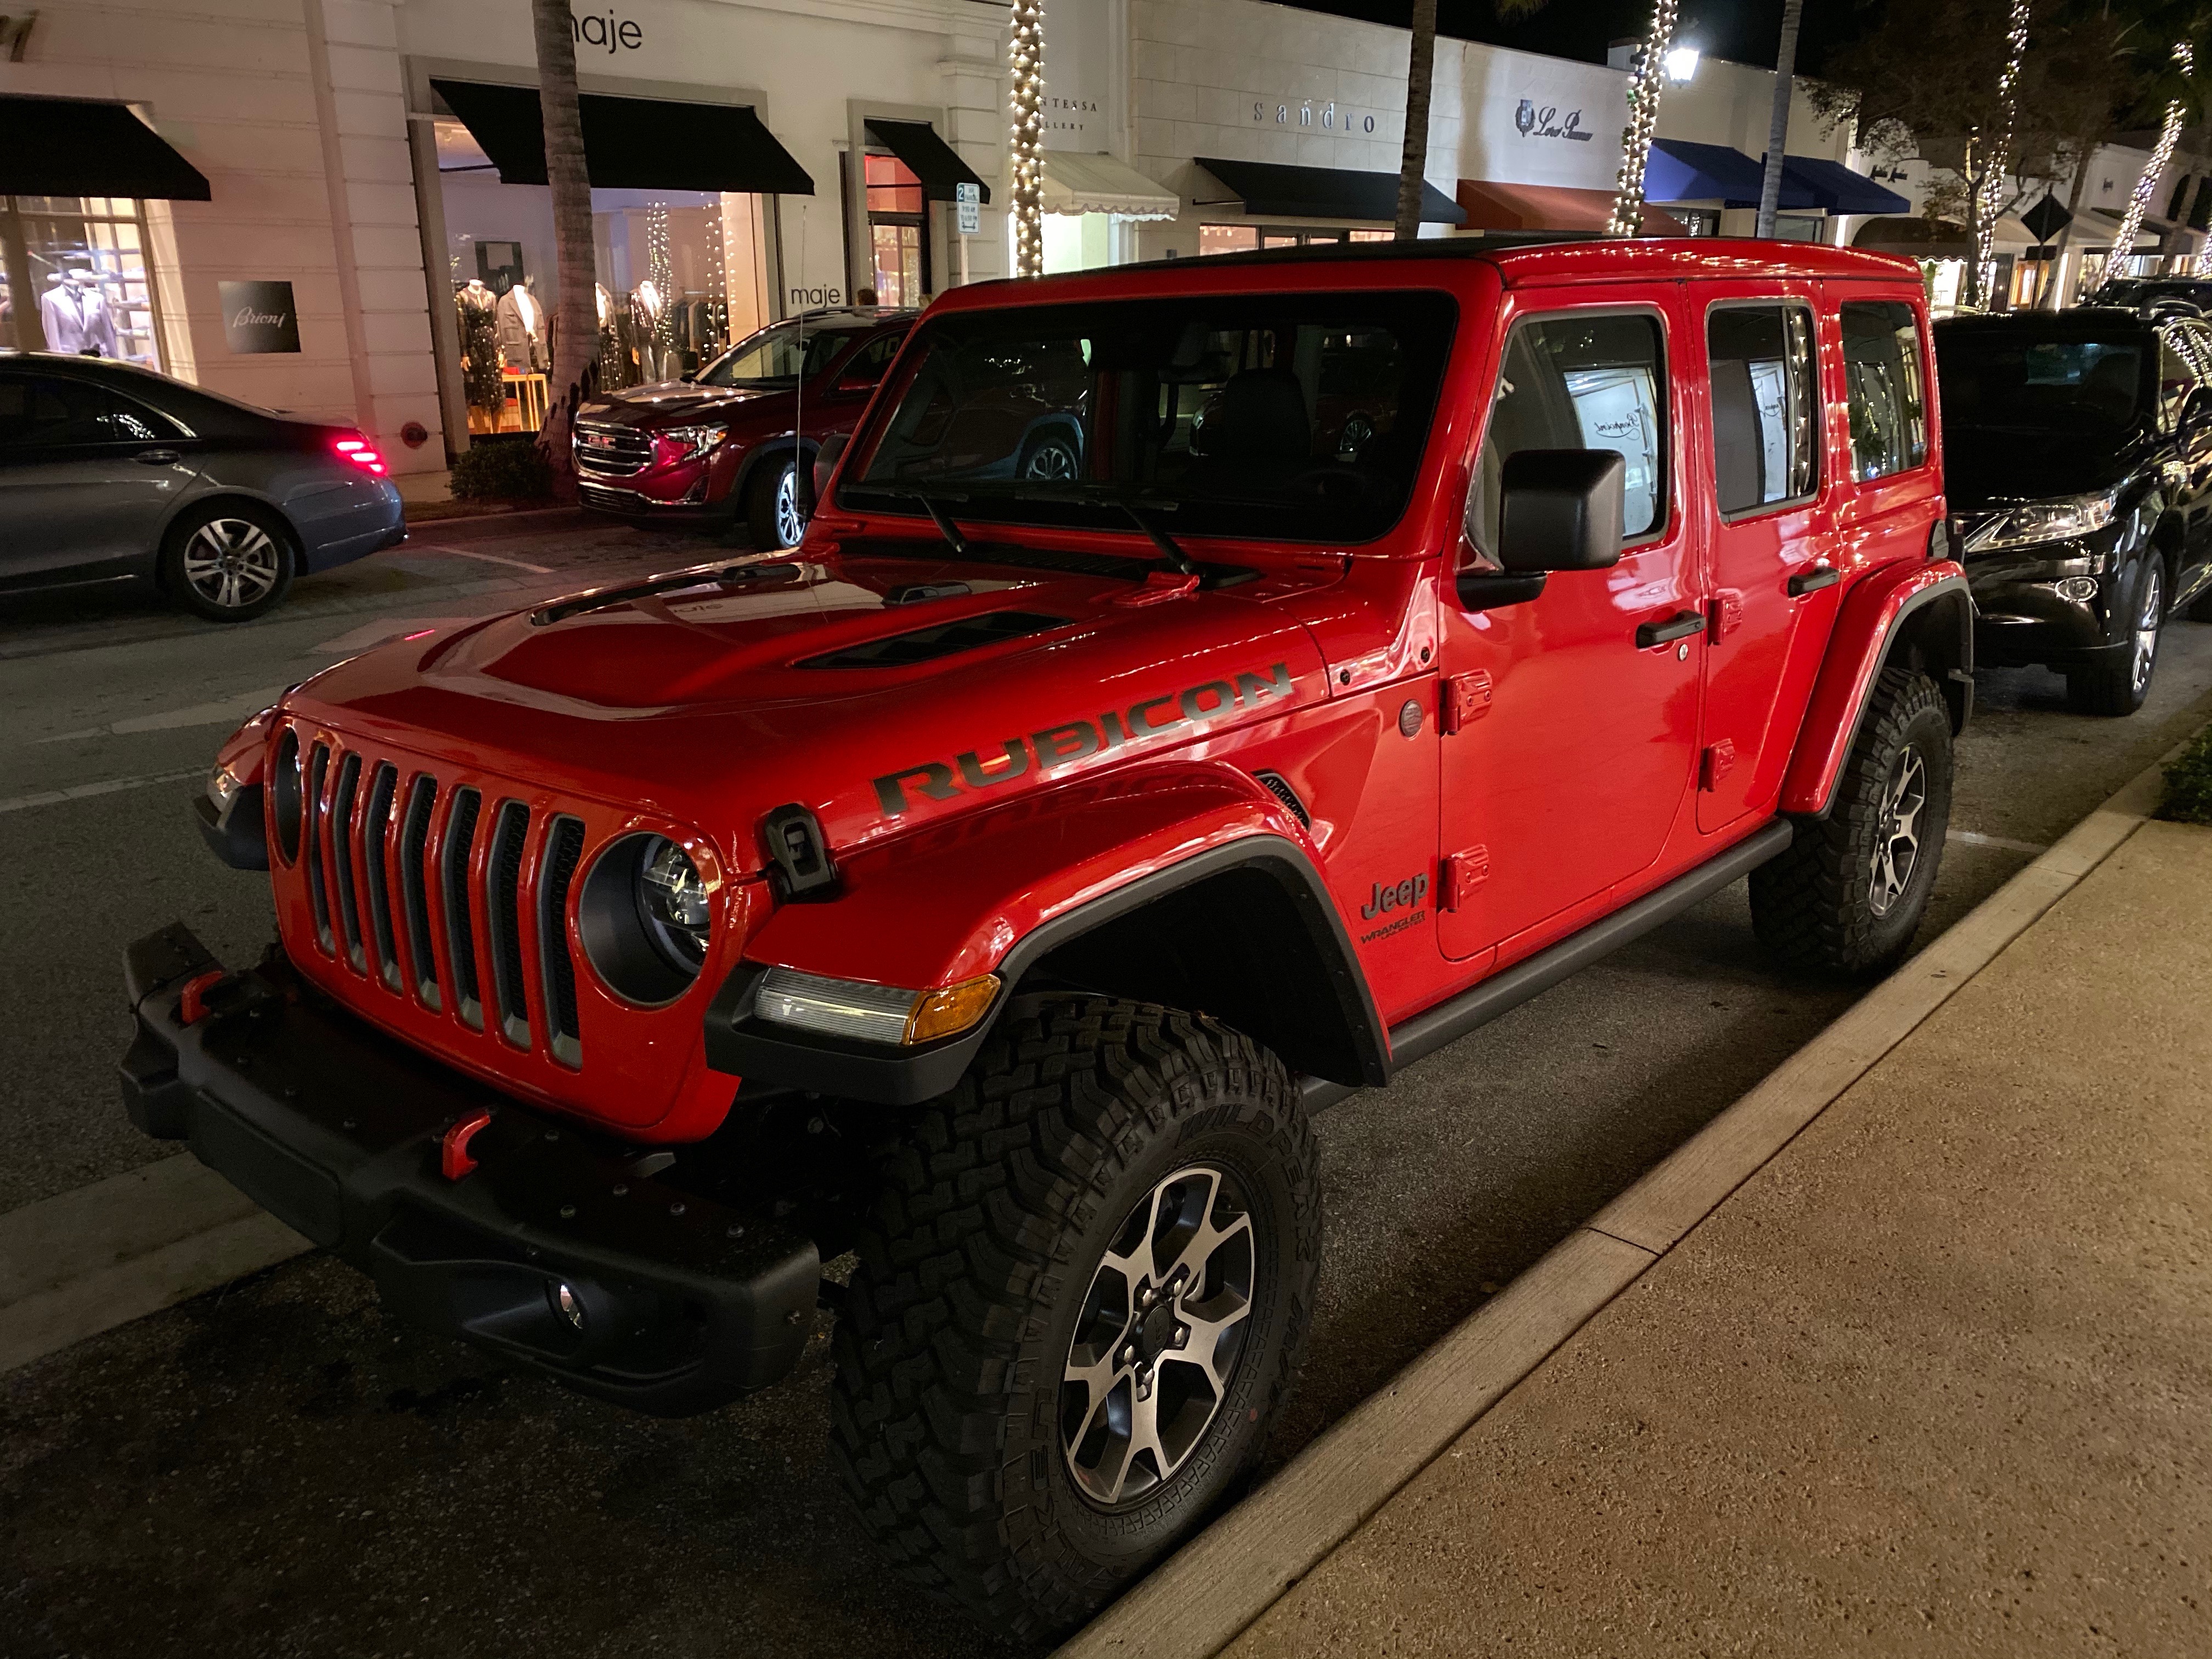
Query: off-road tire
1813	906
2109	686
996	1207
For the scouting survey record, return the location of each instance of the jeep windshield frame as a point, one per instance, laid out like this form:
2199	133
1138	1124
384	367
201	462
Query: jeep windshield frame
1295	416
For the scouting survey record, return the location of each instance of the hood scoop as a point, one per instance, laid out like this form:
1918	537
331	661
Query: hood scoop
941	640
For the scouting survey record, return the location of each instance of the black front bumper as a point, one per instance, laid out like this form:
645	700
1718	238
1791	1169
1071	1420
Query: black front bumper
2021	617
678	1303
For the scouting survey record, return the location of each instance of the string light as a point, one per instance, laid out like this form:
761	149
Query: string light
2124	243
1643	122
1993	164
1025	64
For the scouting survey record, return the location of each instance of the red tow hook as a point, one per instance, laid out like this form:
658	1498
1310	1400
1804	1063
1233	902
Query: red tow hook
453	1158
193	1007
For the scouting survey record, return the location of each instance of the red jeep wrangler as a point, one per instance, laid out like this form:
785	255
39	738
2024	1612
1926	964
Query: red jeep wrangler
991	887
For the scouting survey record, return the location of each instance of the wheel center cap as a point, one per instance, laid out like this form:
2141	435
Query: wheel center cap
1155	1330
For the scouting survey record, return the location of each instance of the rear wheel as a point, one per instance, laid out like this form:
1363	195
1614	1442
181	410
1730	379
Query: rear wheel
1848	896
1079	1307
228	563
2118	682
775	518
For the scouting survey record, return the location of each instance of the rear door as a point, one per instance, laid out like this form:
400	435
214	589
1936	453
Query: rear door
1572	718
1771	528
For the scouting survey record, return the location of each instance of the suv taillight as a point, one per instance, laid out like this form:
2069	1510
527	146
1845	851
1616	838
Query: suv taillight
357	449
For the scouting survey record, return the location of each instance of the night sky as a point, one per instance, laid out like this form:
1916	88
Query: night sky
1744	31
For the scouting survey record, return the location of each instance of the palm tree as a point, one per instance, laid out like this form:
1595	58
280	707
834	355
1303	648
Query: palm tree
1413	161
1777	125
575	318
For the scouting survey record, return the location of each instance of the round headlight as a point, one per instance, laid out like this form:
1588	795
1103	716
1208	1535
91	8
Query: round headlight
645	919
674	902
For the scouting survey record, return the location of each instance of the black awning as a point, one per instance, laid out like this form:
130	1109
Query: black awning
88	147
1270	189
631	143
928	157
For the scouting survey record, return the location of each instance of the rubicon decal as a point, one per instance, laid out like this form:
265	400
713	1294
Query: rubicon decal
1055	746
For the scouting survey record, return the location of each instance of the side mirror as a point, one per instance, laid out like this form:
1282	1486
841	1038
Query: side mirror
687	376
825	461
862	381
1562	509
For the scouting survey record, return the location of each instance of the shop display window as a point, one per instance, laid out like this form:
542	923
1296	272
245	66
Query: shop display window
898	221
679	276
73	277
1244	239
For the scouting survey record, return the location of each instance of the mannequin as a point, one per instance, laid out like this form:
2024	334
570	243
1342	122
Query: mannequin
522	329
614	363
74	315
645	304
480	355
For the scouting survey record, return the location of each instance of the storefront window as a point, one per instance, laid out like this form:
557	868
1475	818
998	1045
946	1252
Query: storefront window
1243	238
680	275
897	222
80	264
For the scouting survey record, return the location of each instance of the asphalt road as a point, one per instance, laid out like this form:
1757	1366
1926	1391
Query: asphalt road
278	1469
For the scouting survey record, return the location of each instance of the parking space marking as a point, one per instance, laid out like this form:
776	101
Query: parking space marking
226	709
1975	838
489	558
79	792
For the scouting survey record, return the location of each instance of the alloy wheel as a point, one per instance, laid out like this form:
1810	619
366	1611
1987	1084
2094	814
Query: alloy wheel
232	562
1897	836
790	520
2148	614
1159	1337
1052	462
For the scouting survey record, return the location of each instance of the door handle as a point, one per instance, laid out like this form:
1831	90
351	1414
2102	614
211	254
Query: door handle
1680	626
1812	580
157	457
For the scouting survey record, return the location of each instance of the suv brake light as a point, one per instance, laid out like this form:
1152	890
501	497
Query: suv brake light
362	454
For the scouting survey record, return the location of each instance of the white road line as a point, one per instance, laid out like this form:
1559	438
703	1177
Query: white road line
79	792
489	558
1975	838
227	709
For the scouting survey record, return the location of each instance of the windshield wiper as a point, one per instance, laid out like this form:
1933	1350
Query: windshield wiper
932	504
1136	507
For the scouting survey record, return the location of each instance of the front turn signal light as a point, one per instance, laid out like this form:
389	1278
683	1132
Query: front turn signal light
951	1011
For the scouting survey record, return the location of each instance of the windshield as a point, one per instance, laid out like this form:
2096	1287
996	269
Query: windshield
773	356
1292	417
2010	378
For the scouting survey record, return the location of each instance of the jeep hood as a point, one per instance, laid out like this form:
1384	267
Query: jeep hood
881	691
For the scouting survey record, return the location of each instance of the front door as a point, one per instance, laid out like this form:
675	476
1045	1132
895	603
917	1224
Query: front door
1772	600
1572	718
86	479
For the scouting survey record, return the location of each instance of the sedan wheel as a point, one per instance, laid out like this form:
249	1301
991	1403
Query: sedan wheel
227	562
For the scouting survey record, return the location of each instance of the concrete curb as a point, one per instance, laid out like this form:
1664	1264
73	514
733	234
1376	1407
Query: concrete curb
1201	1598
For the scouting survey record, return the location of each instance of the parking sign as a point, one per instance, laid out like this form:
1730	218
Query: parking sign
970	199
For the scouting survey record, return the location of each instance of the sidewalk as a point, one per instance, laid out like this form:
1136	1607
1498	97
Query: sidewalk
1937	1379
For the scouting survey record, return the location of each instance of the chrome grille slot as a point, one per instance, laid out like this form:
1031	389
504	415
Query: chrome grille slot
564	848
413	892
344	842
611	451
376	839
318	896
460	932
503	918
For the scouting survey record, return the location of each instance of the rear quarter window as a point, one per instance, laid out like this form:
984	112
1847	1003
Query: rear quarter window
1885	385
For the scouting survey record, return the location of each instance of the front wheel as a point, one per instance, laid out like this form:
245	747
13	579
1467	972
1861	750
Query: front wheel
1848	896
2116	683
775	516
1079	1308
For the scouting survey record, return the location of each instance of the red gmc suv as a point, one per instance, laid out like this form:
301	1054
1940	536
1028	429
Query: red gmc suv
993	885
728	444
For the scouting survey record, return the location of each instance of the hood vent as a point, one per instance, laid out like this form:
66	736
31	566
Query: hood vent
944	640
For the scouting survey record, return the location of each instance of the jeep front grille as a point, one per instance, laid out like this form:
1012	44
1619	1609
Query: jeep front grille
442	892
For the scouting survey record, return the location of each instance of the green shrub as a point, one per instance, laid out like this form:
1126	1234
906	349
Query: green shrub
2189	783
507	468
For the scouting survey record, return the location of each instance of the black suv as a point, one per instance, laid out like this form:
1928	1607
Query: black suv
2077	452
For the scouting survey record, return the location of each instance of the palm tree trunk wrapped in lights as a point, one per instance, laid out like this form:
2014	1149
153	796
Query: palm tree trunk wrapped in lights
1025	61
2169	135
1993	165
1643	122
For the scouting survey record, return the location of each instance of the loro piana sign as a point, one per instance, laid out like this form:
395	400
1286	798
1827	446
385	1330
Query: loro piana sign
260	317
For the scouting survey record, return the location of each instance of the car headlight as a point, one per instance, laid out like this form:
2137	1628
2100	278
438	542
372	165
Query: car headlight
678	443
2044	521
674	901
885	1014
223	786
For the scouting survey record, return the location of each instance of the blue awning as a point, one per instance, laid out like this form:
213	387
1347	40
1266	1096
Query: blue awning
1837	188
1679	170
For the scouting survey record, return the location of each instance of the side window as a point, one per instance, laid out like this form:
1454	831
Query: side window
38	410
870	361
2175	382
1765	439
1576	382
1885	382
